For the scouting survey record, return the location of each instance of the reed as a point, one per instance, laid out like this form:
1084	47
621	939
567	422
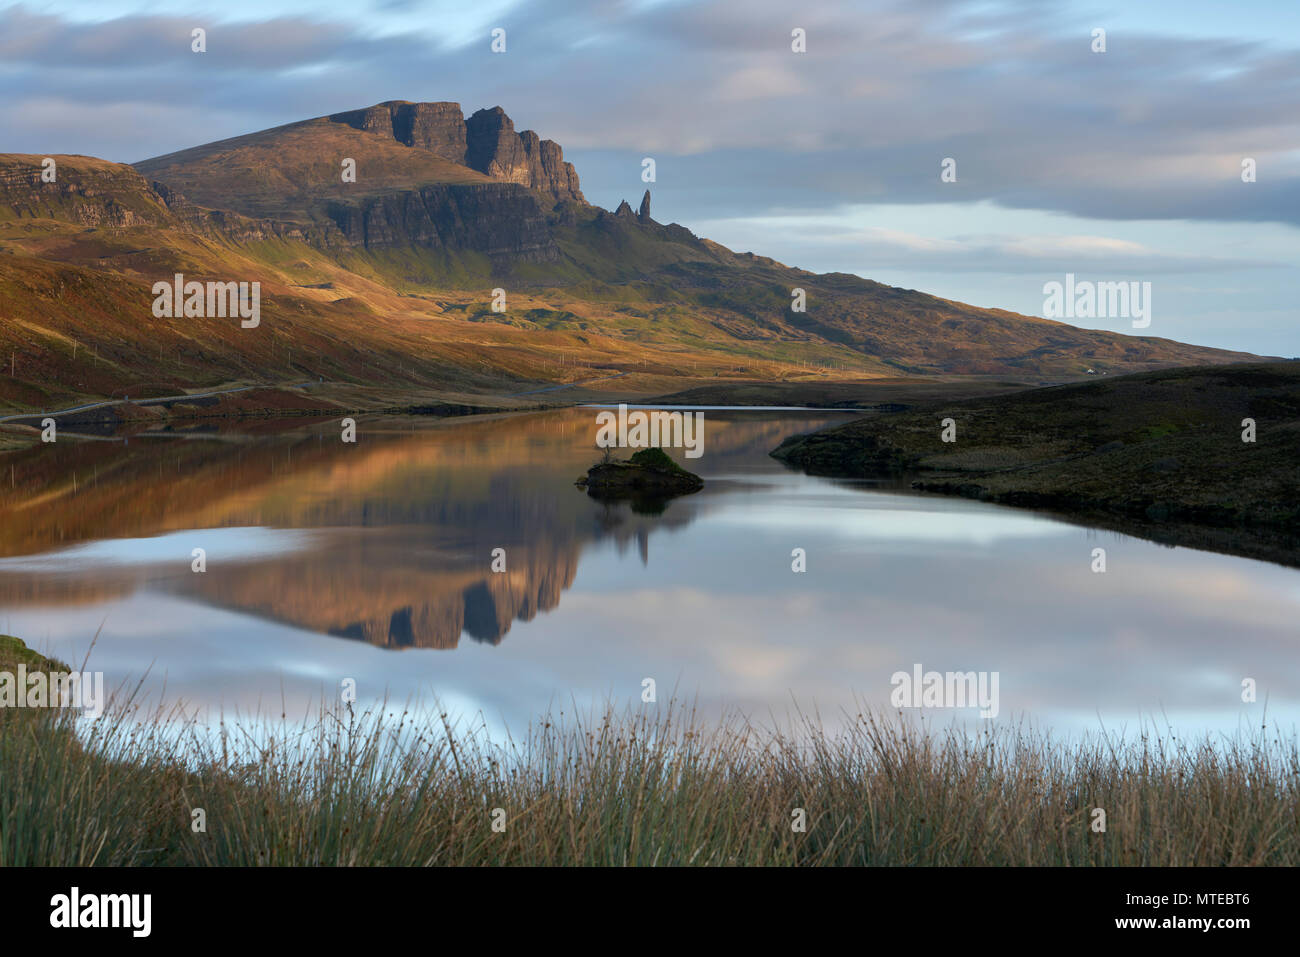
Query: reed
631	787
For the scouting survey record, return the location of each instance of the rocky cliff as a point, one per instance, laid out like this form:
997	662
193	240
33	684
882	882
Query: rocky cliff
417	174
499	220
96	193
486	142
87	191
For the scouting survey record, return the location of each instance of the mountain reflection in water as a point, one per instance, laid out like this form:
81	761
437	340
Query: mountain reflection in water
371	561
400	527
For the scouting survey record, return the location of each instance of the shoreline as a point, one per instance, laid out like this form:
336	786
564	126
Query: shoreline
238	402
1161	456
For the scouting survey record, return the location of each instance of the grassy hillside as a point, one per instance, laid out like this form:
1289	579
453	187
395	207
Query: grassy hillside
291	172
14	652
388	283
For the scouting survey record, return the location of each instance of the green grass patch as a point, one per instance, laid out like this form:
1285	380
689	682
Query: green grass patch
14	652
1158	430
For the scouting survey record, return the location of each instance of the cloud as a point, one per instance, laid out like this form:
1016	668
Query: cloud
844	234
1155	128
755	83
138	45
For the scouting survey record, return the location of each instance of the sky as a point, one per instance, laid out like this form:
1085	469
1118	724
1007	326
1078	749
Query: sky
1122	165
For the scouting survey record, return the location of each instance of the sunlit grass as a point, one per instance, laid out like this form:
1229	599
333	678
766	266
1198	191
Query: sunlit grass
635	787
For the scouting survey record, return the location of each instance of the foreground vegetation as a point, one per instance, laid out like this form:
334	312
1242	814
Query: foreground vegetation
14	652
651	788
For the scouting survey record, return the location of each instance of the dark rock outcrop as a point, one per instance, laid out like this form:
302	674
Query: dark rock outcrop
436	127
500	220
86	191
495	149
486	142
547	169
648	474
373	119
643	214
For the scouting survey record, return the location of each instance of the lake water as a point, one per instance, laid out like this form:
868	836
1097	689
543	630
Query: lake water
373	561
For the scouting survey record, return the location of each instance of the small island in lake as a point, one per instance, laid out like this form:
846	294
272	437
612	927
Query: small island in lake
649	473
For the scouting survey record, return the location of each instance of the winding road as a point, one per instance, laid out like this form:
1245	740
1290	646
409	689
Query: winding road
86	406
153	401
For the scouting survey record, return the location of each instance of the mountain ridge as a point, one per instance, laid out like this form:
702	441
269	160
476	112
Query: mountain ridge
391	278
434	143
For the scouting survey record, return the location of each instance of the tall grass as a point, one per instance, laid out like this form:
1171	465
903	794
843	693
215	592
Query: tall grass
631	788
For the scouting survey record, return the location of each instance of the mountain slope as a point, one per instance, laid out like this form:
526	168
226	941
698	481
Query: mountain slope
389	279
295	172
287	172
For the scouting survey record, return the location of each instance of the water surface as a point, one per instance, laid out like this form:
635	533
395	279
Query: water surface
372	561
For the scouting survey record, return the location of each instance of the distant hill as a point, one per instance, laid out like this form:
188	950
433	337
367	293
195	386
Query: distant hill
389	279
